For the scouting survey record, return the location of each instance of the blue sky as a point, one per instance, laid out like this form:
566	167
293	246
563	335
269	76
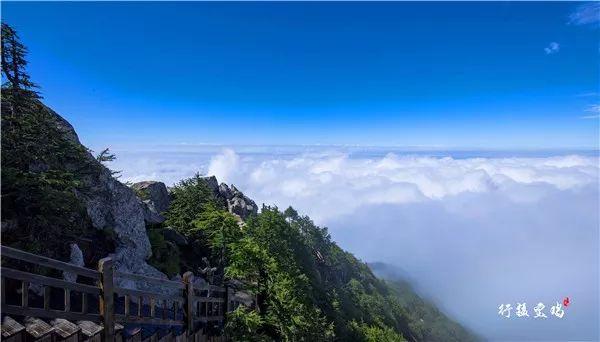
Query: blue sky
475	75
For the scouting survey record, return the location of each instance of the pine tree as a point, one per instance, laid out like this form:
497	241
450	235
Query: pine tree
18	82
107	156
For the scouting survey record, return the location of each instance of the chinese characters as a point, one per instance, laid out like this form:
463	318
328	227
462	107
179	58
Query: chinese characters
520	311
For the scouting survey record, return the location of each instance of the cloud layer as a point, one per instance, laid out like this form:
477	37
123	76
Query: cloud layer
472	233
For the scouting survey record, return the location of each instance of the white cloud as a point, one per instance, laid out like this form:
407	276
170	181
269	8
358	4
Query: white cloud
592	109
587	14
472	233
327	186
552	48
224	165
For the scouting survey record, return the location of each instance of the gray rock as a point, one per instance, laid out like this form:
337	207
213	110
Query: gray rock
212	184
225	191
76	258
114	206
155	193
151	215
235	201
155	200
174	236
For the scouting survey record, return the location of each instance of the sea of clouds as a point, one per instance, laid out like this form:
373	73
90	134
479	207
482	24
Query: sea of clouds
470	233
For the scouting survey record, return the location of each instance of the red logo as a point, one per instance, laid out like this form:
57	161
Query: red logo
566	301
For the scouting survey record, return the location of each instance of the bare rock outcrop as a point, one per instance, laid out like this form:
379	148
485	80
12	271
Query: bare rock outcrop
235	201
155	200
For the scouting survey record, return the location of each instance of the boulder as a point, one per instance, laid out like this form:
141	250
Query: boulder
212	183
155	193
154	198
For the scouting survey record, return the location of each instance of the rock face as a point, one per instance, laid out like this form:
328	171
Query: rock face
76	258
155	200
113	207
237	203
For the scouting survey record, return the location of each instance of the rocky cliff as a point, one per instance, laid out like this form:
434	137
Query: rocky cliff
234	200
59	165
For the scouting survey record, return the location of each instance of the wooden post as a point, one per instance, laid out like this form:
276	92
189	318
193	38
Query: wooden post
126	306
188	279
225	306
3	289
25	294
67	300
46	297
152	307
84	303
105	267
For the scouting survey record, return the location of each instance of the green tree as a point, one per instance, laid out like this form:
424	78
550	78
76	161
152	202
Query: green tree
14	70
107	156
189	198
44	170
221	228
266	260
373	333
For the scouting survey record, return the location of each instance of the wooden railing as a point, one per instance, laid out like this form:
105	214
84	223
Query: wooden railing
176	303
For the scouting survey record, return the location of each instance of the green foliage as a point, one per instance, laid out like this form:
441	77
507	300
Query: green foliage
265	260
244	325
220	228
346	291
165	254
43	167
369	333
426	321
306	287
14	71
189	198
43	171
107	156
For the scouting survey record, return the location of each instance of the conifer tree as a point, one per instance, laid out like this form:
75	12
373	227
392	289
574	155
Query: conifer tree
16	79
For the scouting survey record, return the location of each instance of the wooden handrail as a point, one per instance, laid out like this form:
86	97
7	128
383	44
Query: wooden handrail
140	293
45	261
140	277
185	300
54	282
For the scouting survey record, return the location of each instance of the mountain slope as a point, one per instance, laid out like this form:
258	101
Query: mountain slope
428	322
